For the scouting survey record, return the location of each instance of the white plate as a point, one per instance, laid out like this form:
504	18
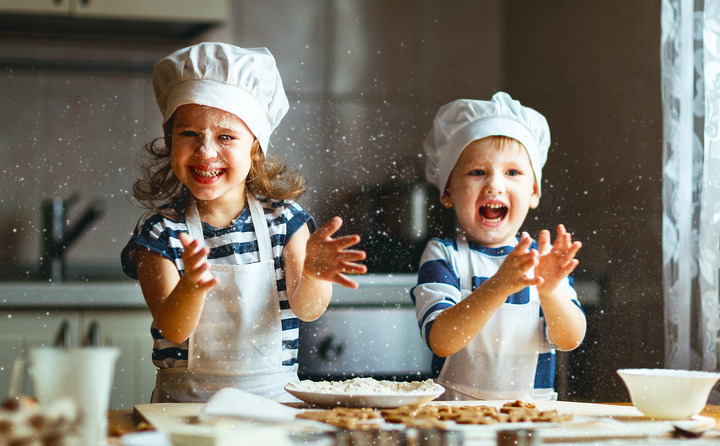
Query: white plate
379	401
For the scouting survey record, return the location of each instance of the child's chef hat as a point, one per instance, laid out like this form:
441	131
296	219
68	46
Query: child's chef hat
244	82
461	122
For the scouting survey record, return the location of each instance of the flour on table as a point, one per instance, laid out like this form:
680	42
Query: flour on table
365	386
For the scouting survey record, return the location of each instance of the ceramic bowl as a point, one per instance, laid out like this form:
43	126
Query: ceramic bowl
668	394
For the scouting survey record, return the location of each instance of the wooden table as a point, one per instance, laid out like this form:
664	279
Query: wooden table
710	410
124	421
713	412
121	422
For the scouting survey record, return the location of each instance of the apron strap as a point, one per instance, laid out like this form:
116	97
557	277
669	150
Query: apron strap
257	216
464	263
261	228
192	221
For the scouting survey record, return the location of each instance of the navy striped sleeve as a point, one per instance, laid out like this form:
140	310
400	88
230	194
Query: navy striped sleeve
438	271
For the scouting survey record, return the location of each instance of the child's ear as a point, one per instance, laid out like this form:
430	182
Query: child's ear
535	197
446	199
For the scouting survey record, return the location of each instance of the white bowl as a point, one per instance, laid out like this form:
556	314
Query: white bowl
669	394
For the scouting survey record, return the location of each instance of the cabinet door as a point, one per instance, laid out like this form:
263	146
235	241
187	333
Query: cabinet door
22	330
156	10
129	330
55	7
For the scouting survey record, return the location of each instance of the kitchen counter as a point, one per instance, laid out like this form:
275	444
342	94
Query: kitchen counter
374	289
71	295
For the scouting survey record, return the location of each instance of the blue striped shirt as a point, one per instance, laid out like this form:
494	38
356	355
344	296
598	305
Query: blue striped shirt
438	288
233	245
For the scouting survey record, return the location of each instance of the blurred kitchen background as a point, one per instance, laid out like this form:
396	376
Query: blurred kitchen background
364	79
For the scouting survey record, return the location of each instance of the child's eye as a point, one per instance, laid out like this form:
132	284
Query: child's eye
227	137
513	172
188	133
476	172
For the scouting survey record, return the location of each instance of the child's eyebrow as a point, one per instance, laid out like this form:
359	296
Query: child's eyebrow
182	124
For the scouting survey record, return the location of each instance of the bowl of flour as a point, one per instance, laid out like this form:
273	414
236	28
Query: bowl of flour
365	392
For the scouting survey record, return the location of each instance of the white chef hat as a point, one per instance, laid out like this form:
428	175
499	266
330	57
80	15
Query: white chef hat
463	121
244	82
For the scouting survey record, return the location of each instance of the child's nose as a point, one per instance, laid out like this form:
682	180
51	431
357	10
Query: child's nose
494	184
206	148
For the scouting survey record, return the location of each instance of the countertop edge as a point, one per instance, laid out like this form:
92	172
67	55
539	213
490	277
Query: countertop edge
373	289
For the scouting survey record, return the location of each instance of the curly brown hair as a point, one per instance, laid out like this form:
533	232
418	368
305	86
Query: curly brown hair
160	190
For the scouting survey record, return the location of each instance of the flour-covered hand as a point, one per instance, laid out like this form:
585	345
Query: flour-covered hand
557	260
330	259
196	272
514	273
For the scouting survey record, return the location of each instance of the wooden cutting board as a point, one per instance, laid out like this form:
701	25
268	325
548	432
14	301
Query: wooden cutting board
164	416
181	422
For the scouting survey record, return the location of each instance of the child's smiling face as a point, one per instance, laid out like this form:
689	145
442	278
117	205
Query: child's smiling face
210	152
492	188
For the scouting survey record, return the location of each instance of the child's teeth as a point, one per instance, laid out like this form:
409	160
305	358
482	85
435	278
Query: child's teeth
207	173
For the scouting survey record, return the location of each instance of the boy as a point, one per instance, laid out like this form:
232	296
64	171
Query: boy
490	306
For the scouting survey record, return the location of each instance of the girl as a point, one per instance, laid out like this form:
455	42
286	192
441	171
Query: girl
225	258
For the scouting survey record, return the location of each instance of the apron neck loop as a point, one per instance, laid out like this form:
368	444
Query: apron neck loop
257	216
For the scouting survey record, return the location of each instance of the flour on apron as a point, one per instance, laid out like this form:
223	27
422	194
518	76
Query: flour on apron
500	362
238	340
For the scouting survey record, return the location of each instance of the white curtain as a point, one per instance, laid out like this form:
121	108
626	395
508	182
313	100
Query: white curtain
690	56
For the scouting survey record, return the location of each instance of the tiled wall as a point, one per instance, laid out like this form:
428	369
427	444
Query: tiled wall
70	126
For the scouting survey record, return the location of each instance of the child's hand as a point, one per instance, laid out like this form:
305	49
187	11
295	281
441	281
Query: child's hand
196	267
513	273
329	259
557	260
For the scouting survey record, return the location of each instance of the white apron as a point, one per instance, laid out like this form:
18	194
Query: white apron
500	362
238	339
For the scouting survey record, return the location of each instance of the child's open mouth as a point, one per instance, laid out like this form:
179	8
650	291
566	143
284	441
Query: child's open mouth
206	175
493	213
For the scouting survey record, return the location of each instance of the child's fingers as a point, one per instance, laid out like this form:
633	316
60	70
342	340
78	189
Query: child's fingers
575	247
568	252
353	267
205	285
352	255
197	258
534	281
342	279
331	227
191	247
186	240
523	261
195	270
544	245
561	230
345	241
569	267
523	244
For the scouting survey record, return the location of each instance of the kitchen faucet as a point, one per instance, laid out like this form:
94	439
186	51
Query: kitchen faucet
57	236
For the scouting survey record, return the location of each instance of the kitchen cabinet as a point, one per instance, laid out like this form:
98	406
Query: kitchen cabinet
50	7
127	329
155	10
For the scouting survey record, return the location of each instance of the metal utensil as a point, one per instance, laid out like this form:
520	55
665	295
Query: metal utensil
92	336
16	378
63	337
